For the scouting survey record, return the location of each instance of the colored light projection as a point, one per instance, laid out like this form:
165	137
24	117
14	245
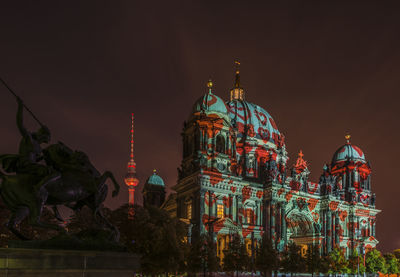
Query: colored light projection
130	178
234	169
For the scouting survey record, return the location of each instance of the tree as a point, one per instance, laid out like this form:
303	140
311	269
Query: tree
292	260
266	257
314	261
195	256
356	263
392	264
337	262
236	257
202	255
374	262
153	234
397	253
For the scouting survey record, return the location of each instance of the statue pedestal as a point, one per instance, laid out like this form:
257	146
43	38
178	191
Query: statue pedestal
66	263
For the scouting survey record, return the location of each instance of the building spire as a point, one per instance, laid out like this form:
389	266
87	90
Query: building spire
237	72
132	143
209	85
130	178
237	93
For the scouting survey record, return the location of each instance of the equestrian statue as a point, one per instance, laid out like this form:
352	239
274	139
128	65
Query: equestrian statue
50	176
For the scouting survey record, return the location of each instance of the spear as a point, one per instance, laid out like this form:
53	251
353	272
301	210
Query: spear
13	93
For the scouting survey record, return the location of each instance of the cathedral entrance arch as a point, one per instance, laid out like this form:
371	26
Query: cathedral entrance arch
300	229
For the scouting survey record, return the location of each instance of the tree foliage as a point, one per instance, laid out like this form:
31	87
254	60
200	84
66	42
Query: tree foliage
356	263
159	239
292	261
397	253
266	256
314	262
392	264
374	262
202	255
337	262
236	257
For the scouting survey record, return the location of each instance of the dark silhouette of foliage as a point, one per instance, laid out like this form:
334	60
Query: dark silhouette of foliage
266	257
292	262
202	255
314	262
397	253
159	239
236	257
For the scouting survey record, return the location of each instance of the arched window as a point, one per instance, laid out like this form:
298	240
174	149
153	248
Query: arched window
220	147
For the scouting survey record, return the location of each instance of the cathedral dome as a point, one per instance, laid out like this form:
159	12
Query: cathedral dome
251	118
155	180
210	103
348	152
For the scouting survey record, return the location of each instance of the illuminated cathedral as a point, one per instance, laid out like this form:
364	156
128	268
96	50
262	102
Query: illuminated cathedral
235	178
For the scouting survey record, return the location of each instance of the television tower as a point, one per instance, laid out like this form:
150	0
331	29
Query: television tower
130	178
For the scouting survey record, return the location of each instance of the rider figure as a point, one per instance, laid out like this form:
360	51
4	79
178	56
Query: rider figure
27	161
30	150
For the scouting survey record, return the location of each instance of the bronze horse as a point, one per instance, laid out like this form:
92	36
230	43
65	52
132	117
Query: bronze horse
73	182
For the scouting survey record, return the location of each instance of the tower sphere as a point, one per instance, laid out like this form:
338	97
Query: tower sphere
131	180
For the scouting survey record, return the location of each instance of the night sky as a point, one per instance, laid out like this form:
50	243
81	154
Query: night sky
319	69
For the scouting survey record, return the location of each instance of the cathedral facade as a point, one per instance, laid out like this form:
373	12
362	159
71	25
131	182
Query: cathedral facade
235	179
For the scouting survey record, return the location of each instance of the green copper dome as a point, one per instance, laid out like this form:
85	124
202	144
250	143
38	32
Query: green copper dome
155	180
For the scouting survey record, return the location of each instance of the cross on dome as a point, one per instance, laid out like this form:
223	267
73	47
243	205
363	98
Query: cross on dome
347	137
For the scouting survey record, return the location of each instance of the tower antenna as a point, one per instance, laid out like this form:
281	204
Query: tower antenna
130	179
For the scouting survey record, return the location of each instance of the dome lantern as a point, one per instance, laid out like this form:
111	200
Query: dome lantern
237	93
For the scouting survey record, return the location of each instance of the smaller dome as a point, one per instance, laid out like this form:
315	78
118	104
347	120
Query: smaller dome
348	152
210	102
155	180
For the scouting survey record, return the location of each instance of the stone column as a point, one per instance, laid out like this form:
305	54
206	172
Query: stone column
283	221
373	228
278	221
202	210
328	231
337	238
266	219
230	200
272	218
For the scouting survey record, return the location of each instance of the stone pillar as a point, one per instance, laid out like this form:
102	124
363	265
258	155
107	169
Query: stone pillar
267	218
202	210
278	221
337	237
328	232
283	220
373	228
272	218
230	200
